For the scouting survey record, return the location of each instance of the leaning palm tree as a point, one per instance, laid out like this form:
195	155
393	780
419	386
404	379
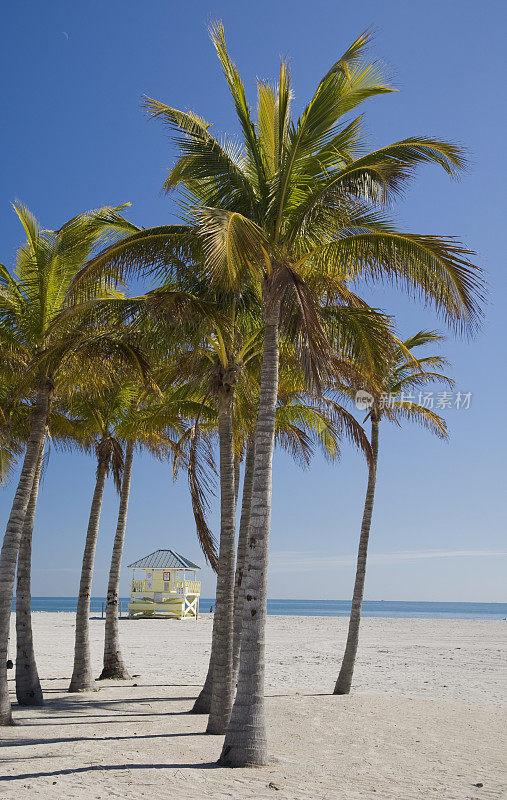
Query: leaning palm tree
28	688
14	416
297	210
146	422
221	365
229	368
113	664
301	422
38	346
95	418
13	433
387	400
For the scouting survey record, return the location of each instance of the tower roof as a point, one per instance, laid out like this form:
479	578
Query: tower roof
164	559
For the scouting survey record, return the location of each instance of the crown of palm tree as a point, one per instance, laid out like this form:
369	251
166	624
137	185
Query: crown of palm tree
393	381
299	204
37	337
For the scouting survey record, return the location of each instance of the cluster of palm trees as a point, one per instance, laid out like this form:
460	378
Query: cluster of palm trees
254	335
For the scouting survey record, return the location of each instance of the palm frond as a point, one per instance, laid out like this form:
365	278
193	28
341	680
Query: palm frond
426	417
233	245
237	91
437	269
200	488
162	251
301	321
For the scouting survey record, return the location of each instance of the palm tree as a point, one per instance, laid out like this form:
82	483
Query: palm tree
150	424
95	418
14	432
39	345
296	210
222	366
401	375
108	456
114	665
303	421
28	688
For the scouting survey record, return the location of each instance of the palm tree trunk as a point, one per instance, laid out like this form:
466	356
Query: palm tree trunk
12	538
28	688
82	678
239	593
245	741
114	666
344	681
222	690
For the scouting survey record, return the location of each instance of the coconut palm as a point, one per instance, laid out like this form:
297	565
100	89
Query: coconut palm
13	434
391	398
114	666
28	688
94	430
100	422
222	367
38	345
146	423
303	421
15	418
297	210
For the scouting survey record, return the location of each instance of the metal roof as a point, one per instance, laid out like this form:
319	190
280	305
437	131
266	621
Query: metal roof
164	559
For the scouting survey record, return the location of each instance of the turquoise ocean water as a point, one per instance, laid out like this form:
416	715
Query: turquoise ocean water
322	608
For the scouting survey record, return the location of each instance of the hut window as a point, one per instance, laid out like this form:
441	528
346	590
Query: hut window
166	586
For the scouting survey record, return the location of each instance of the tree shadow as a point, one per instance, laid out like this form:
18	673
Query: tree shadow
108	768
95	719
75	707
304	694
73	702
64	739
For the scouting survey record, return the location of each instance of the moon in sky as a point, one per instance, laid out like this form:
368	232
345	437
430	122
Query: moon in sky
65	34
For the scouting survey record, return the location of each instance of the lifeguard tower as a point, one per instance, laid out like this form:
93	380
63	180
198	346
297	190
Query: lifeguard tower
168	587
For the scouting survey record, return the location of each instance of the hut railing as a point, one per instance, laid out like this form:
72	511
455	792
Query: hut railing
173	587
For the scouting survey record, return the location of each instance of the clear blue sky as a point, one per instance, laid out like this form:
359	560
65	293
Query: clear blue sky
73	137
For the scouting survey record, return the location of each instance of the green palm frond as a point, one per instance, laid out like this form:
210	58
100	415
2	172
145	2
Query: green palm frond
426	417
214	170
232	244
237	91
162	251
438	269
361	334
200	472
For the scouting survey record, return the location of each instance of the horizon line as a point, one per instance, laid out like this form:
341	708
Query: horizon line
296	600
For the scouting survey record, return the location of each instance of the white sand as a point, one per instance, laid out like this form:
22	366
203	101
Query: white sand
426	718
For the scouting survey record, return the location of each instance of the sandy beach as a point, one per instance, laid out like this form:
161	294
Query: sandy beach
426	719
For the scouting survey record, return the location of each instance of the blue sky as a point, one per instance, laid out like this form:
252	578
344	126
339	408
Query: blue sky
74	137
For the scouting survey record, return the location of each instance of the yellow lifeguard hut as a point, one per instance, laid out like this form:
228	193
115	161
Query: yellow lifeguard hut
169	587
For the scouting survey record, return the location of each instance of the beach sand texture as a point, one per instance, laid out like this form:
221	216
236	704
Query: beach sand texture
426	718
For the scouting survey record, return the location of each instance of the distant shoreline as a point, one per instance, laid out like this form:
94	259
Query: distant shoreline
397	609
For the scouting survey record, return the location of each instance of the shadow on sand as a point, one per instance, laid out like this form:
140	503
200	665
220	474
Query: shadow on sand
107	768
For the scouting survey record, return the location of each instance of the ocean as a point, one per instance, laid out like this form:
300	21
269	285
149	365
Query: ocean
320	608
